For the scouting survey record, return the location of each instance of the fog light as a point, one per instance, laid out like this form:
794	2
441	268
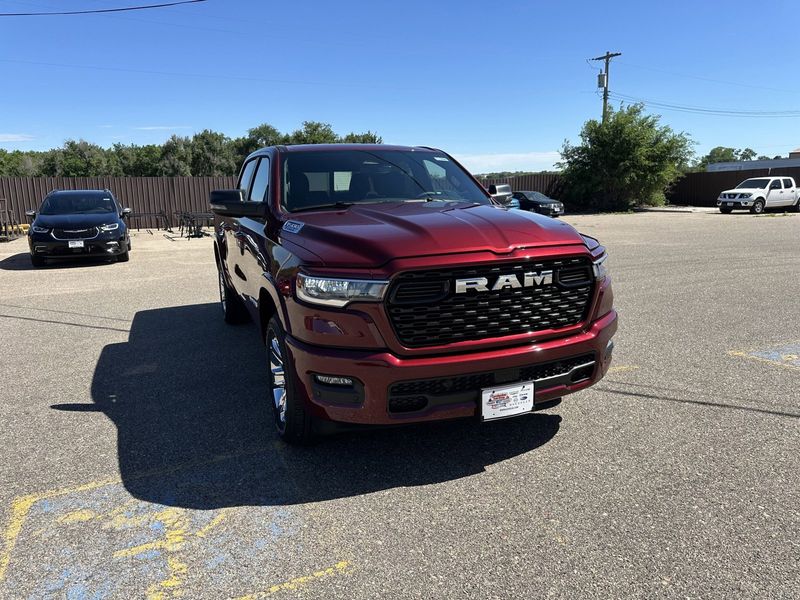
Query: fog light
40	248
334	380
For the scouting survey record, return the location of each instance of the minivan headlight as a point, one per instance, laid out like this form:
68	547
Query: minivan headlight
601	267
330	291
109	227
37	229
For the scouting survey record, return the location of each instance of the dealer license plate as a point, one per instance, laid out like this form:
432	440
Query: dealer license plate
506	401
729	204
75	243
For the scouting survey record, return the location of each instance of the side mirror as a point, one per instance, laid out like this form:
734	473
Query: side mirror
126	212
31	214
501	193
231	203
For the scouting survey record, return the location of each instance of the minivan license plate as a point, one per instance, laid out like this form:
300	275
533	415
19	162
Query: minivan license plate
506	401
75	243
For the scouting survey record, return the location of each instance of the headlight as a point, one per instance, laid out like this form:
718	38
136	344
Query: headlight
329	291
745	195
37	229
109	227
601	267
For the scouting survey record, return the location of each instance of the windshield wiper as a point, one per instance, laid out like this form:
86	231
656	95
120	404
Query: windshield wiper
329	205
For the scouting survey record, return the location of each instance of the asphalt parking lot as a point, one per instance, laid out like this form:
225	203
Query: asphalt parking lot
138	459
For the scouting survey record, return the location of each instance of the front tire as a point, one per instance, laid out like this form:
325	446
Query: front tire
758	207
725	211
124	257
292	422
795	207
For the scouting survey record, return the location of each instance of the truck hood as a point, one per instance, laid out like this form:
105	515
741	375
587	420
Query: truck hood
745	191
369	236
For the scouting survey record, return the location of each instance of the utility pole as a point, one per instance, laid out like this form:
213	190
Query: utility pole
603	79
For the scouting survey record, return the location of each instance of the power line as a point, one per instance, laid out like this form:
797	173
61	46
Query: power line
101	10
708	79
703	110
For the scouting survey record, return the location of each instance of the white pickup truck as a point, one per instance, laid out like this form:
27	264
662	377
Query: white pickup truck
759	193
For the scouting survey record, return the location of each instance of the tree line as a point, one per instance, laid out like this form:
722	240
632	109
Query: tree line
208	153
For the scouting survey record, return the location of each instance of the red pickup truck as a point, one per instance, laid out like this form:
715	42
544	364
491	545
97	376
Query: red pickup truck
390	288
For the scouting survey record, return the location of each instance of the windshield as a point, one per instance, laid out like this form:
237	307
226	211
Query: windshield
339	178
753	183
538	196
81	204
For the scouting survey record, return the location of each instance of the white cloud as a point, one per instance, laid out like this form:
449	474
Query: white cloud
162	127
15	137
512	161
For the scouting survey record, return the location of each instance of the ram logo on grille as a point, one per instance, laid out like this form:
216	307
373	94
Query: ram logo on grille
481	284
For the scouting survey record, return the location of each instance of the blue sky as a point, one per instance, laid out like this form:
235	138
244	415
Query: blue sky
499	84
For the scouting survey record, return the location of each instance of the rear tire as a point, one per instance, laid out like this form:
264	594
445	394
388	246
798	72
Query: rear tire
37	261
795	207
292	422
758	207
725	211
233	310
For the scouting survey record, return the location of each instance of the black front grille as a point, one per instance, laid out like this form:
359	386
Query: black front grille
412	396
75	234
425	310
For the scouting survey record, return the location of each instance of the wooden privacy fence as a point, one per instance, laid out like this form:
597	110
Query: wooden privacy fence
190	194
140	194
547	183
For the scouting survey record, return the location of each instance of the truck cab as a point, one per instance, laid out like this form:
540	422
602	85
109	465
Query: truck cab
389	288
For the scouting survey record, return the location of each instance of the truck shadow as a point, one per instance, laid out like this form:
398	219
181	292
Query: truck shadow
186	393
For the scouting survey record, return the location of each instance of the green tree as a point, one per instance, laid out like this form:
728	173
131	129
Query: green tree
176	157
78	159
631	159
747	154
313	132
19	164
720	154
257	137
212	154
362	138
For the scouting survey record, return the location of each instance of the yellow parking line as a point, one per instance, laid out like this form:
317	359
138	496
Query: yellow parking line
622	368
340	568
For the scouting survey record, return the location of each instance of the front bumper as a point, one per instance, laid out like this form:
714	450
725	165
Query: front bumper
47	247
376	372
735	203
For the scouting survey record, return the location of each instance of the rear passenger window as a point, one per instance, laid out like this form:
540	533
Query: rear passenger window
247	176
261	181
787	183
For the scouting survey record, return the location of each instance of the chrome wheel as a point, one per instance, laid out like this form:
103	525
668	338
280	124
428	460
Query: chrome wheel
277	380
222	292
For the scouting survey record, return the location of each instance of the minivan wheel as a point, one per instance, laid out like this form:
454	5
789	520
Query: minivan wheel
233	311
758	207
124	257
292	422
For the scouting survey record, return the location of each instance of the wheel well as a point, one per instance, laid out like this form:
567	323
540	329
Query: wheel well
266	310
